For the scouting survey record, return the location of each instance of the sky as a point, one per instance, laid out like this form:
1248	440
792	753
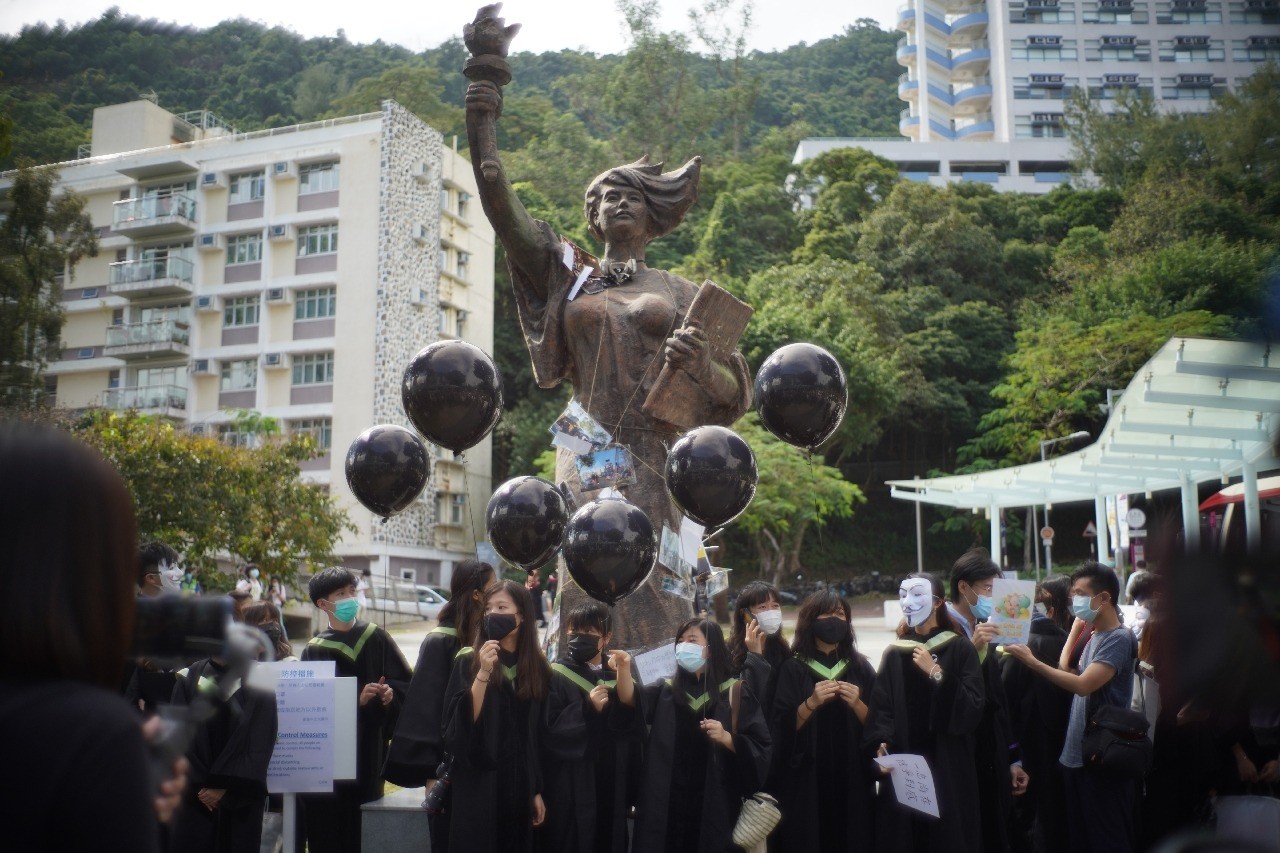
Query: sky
593	25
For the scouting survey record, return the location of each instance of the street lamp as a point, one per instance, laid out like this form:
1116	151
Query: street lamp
1045	444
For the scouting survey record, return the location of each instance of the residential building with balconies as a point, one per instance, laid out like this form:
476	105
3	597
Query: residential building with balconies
292	271
984	78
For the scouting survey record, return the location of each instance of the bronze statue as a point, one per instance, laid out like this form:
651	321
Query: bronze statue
607	324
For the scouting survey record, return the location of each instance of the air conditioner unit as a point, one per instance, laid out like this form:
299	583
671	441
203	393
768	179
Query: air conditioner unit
421	235
1120	79
1042	4
420	298
459	500
275	360
206	303
1195	80
1191	41
1052	81
1264	41
1262	5
1116	5
1044	41
1187	5
283	170
213	181
279	294
203	367
212	243
1117	41
422	172
280	232
1046	118
197	429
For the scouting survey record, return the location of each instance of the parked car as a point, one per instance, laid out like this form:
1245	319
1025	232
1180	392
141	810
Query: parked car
415	599
440	591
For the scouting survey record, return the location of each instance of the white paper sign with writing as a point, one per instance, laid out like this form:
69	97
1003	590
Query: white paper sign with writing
303	760
656	664
1011	610
912	781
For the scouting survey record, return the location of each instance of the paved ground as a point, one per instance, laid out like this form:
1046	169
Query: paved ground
873	637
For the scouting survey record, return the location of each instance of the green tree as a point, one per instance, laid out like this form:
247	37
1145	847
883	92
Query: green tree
794	495
415	88
747	231
211	501
42	237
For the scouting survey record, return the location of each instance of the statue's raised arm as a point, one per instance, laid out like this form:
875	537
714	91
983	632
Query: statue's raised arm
488	38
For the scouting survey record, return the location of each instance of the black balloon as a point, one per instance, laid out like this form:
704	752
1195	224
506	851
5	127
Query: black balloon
452	393
525	519
387	468
711	475
609	548
801	394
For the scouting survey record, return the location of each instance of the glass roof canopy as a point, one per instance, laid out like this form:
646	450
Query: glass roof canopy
1200	410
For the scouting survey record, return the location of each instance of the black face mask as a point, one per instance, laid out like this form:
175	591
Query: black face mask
583	647
830	630
498	625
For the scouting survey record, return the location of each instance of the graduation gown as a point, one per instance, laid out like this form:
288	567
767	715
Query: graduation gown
587	758
417	747
760	672
366	653
992	754
1038	712
496	768
915	715
822	773
687	781
231	750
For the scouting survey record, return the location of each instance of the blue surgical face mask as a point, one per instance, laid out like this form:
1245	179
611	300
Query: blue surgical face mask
1080	607
982	610
689	656
346	610
253	573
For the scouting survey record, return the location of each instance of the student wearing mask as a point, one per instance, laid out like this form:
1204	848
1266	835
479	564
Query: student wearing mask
698	764
928	700
1000	773
1038	714
756	645
363	651
417	748
493	728
591	741
823	774
1100	808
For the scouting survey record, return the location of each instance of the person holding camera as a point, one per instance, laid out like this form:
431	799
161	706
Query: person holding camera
494	726
417	755
83	776
363	651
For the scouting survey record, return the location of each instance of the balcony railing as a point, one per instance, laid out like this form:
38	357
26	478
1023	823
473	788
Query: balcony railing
151	276
147	398
156	335
153	212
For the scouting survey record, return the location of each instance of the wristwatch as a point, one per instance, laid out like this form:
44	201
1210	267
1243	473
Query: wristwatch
936	674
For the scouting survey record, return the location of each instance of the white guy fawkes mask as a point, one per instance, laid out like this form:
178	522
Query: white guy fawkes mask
916	597
170	576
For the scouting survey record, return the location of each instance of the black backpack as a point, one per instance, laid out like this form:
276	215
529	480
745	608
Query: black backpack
1115	738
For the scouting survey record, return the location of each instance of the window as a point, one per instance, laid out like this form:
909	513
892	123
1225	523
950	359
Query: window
1039	126
314	368
232	435
241	311
464	198
444	198
315	304
464	263
248	186
318	178
239	375
453	509
317	240
442	259
320	430
244	248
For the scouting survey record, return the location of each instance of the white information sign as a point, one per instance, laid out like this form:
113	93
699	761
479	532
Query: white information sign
656	664
303	760
912	781
1011	610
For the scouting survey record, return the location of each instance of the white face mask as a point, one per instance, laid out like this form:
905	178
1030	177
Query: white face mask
170	576
916	597
770	621
1041	609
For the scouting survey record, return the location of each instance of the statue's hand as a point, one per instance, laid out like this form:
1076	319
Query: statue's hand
688	349
484	99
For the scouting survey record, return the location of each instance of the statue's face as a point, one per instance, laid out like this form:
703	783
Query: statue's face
623	213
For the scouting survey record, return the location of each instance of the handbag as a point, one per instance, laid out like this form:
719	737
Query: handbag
1115	738
760	814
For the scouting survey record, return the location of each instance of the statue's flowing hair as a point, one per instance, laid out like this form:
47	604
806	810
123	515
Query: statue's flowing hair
669	195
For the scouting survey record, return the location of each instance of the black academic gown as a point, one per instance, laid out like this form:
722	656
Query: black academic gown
587	757
993	757
366	653
822	774
689	780
497	769
1038	712
914	715
231	750
760	672
417	747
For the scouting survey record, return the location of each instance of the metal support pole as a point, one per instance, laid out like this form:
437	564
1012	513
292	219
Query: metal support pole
1100	522
1190	517
1035	537
1252	510
919	536
1048	544
996	554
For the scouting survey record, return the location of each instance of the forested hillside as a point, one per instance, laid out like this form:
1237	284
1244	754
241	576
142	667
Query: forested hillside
971	324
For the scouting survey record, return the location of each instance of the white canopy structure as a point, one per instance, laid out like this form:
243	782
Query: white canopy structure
1200	410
